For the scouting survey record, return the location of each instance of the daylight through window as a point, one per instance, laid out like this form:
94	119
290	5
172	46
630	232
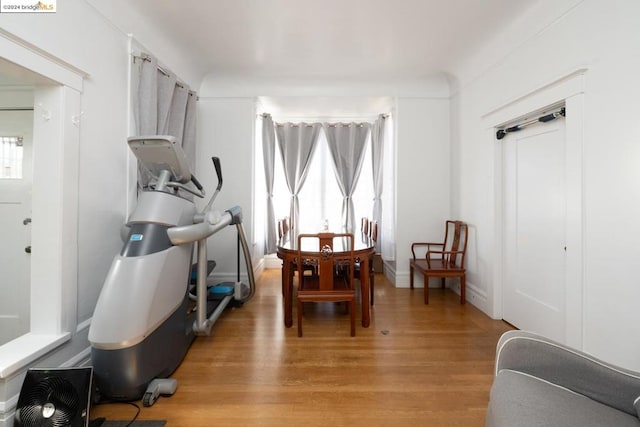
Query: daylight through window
320	197
11	157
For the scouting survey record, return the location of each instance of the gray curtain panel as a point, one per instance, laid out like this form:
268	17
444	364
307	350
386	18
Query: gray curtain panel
178	112
377	151
269	151
297	143
147	103
347	145
189	132
164	107
166	89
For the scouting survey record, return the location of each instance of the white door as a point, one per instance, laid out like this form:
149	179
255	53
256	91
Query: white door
15	228
534	196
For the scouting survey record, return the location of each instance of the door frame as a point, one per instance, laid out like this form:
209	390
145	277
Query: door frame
56	136
568	90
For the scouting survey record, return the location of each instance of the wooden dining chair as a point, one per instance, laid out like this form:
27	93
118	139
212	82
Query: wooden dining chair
329	284
283	232
371	233
373	230
364	225
280	228
441	260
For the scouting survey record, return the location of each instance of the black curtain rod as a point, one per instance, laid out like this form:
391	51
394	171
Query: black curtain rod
146	57
501	133
263	115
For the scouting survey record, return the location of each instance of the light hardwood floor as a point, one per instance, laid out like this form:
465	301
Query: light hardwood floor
416	365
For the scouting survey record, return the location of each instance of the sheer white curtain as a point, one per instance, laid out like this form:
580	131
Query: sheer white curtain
268	152
377	159
164	106
347	143
297	143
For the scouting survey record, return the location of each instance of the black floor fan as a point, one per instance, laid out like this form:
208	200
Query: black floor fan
55	398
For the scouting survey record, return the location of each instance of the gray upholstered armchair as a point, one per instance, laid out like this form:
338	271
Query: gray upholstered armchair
539	382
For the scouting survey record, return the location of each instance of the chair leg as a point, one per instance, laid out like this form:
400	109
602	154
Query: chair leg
442	283
426	289
299	318
371	279
410	276
352	310
463	287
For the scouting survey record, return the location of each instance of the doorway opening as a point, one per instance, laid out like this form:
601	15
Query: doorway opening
56	91
16	142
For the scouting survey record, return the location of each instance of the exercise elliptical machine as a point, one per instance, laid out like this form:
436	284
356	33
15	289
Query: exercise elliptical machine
147	316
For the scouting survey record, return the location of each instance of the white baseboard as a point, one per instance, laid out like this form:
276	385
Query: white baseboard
6	418
81	359
8	407
272	261
220	277
478	298
475	296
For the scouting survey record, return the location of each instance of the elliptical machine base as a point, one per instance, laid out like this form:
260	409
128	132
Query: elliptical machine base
145	320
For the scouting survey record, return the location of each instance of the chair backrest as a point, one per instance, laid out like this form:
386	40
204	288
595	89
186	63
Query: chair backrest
364	225
280	228
455	239
284	225
325	259
373	230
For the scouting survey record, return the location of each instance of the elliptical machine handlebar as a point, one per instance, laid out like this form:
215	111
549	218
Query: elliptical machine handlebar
197	183
218	167
207	222
211	224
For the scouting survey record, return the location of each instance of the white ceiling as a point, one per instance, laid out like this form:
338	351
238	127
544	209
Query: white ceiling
333	39
345	40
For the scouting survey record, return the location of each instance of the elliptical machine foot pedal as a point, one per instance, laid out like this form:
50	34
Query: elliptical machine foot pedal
157	387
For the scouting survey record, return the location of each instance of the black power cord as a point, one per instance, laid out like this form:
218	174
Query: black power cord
99	421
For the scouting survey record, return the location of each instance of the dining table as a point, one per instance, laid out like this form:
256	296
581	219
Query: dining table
287	251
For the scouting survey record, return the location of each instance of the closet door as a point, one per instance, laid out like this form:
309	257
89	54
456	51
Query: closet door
534	196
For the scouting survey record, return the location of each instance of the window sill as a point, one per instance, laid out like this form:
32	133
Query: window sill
22	351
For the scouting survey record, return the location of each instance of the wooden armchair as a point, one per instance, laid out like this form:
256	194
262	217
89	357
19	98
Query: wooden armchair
283	233
364	225
283	227
329	284
368	229
442	260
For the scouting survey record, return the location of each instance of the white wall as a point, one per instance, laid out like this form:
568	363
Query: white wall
79	36
422	177
227	119
602	37
226	130
92	45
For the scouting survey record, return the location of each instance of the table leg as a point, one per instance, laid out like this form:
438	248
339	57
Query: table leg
364	283
287	287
